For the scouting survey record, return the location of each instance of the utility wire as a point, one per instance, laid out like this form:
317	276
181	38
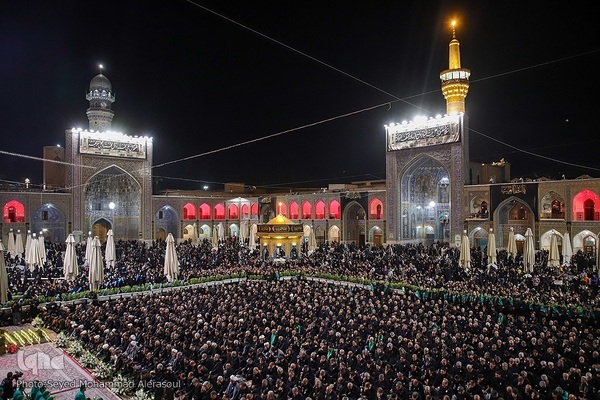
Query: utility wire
378	89
8	153
271	135
300	52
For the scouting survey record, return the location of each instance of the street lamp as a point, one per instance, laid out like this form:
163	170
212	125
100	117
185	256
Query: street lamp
111	207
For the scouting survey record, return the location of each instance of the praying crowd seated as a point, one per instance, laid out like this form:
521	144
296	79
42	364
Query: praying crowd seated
490	332
305	339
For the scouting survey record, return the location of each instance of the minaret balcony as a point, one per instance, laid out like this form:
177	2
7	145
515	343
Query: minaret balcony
457	75
100	95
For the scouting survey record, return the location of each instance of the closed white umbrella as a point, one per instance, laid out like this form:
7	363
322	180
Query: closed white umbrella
10	244
215	236
19	248
42	247
27	247
512	243
252	240
196	237
492	256
35	258
221	231
70	267
171	269
243	232
110	252
96	272
465	252
529	253
568	249
3	277
554	255
88	248
312	241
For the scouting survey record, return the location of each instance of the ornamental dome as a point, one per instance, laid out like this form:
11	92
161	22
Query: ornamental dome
100	82
281	220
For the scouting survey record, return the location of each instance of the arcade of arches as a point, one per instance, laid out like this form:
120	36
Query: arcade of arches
47	218
205	211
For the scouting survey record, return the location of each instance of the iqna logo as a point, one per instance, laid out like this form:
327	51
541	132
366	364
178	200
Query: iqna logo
39	360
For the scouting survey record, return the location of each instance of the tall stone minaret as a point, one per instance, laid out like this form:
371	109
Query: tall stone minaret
455	80
101	97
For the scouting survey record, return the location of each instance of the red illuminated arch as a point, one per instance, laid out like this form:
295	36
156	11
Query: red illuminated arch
189	211
306	210
233	211
254	210
245	210
294	210
14	211
282	208
376	209
320	210
219	211
586	206
204	211
334	209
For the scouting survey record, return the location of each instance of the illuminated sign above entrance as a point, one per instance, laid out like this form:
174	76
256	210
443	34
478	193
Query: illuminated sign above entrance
112	144
423	132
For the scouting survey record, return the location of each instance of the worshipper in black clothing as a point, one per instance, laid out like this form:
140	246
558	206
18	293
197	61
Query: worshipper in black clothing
194	392
295	394
9	384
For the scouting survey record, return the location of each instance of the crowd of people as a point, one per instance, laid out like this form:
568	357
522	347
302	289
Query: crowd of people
431	267
450	333
299	339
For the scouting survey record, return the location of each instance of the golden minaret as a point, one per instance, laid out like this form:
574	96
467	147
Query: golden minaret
455	80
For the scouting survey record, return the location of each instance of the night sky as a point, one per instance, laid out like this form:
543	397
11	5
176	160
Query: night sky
198	82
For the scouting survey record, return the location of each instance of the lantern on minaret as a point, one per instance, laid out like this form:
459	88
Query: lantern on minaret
455	80
101	97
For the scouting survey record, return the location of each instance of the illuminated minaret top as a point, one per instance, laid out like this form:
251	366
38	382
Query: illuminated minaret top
455	80
101	97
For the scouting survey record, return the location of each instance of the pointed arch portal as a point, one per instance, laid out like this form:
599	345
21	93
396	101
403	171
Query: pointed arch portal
100	228
425	198
115	197
166	221
512	213
354	227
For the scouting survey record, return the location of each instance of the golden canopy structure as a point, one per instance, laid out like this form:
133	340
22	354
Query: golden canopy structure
280	235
